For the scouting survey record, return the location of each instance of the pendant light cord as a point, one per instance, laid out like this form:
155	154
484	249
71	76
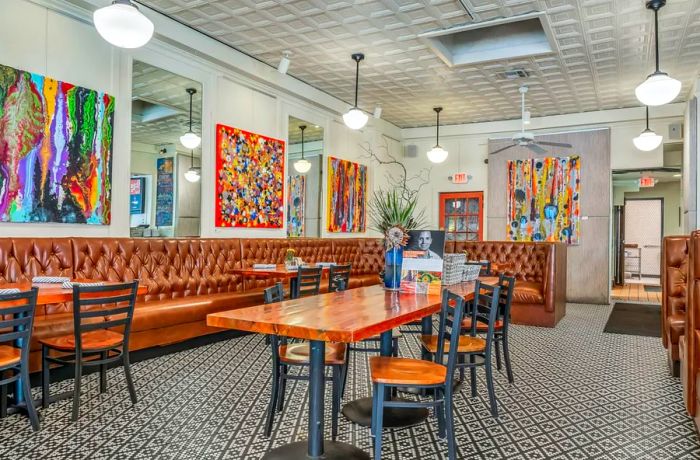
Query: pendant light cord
656	35
647	107
357	80
191	111
437	131
302	127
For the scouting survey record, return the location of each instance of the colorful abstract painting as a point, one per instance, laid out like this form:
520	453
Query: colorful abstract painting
55	150
249	179
544	199
347	196
295	205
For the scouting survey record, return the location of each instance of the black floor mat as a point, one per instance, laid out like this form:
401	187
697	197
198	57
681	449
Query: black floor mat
648	288
635	319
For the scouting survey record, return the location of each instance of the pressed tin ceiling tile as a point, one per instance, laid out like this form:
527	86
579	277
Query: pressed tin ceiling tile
604	49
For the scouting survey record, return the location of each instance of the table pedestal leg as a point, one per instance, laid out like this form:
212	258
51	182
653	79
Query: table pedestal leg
360	410
316	447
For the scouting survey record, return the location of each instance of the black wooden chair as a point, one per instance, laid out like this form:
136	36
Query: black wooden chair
16	322
500	333
286	354
336	274
388	373
97	312
484	264
307	282
482	310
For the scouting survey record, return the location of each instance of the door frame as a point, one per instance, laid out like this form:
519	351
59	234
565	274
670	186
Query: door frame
442	196
661	239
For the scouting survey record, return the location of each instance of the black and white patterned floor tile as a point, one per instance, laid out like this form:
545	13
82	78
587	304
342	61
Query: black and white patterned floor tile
579	394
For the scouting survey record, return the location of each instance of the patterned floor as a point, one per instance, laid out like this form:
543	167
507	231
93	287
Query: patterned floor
579	394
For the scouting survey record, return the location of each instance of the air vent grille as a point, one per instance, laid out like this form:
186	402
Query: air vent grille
513	74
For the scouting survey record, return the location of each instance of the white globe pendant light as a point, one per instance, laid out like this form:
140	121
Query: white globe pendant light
195	172
190	140
659	88
648	140
437	154
356	118
123	25
302	166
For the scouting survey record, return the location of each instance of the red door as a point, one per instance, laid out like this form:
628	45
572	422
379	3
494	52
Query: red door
462	216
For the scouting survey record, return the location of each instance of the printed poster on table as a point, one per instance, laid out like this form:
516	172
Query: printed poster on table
249	179
165	191
421	270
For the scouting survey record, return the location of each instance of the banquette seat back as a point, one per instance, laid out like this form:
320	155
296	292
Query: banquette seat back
689	344
674	281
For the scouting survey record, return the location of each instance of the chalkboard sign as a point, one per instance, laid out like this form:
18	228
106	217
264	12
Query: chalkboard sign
165	192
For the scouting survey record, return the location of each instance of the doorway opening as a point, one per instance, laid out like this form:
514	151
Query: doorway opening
646	207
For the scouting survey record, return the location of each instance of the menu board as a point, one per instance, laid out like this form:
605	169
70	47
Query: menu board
165	191
421	270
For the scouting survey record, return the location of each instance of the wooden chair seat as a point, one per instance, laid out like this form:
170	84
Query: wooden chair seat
406	371
9	355
467	324
93	340
298	353
467	344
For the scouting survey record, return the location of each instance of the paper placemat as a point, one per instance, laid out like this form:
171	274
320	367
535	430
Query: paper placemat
70	284
50	279
9	291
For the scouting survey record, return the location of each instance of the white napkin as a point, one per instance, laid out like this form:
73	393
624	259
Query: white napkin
263	266
50	279
9	291
326	264
70	284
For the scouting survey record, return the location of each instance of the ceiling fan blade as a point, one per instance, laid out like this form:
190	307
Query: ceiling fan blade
554	144
504	148
536	148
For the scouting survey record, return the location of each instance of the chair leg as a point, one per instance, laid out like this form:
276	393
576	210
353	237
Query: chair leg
76	388
3	397
282	388
497	346
472	375
127	374
373	419
29	401
344	382
395	348
335	407
44	377
506	358
489	386
103	373
273	402
379	420
449	415
440	411
460	360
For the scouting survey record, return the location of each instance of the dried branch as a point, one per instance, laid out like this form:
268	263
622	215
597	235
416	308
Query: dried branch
409	186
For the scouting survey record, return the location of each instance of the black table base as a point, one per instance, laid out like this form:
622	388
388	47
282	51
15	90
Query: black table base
331	451
360	412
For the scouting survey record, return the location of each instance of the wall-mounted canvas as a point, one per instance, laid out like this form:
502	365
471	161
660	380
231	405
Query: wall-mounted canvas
55	150
347	196
295	205
249	179
544	202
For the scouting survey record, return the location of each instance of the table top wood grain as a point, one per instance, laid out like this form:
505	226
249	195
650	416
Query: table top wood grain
50	293
348	316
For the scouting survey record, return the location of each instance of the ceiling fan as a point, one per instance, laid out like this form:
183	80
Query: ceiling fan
525	138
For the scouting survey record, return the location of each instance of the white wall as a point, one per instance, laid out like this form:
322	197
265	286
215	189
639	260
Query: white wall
467	145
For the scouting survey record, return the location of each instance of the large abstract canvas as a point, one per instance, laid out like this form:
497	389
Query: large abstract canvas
55	150
347	196
544	199
249	179
295	205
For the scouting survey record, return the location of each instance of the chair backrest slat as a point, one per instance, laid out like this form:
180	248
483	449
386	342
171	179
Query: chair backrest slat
17	312
339	277
274	293
308	281
451	315
485	309
507	285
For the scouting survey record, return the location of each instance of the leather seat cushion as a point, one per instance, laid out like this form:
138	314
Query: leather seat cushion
170	312
528	292
676	327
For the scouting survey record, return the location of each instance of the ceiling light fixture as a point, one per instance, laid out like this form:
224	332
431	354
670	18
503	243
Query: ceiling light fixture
302	166
123	25
190	140
658	88
356	118
437	154
648	140
195	172
283	66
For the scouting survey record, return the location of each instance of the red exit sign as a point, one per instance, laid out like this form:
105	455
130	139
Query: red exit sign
460	178
646	181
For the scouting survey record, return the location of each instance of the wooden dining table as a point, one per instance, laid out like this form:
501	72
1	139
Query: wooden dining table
348	316
278	271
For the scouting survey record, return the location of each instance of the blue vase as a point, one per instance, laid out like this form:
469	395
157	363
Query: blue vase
392	268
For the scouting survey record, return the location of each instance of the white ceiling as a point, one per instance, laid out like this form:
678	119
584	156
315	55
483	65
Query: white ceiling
160	86
605	48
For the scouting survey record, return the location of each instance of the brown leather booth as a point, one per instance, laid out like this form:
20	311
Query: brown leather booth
187	279
689	343
674	280
539	297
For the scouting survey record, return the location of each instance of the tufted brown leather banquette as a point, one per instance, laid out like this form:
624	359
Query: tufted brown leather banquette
539	297
674	281
187	279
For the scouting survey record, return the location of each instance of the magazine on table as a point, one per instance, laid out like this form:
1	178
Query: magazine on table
421	271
